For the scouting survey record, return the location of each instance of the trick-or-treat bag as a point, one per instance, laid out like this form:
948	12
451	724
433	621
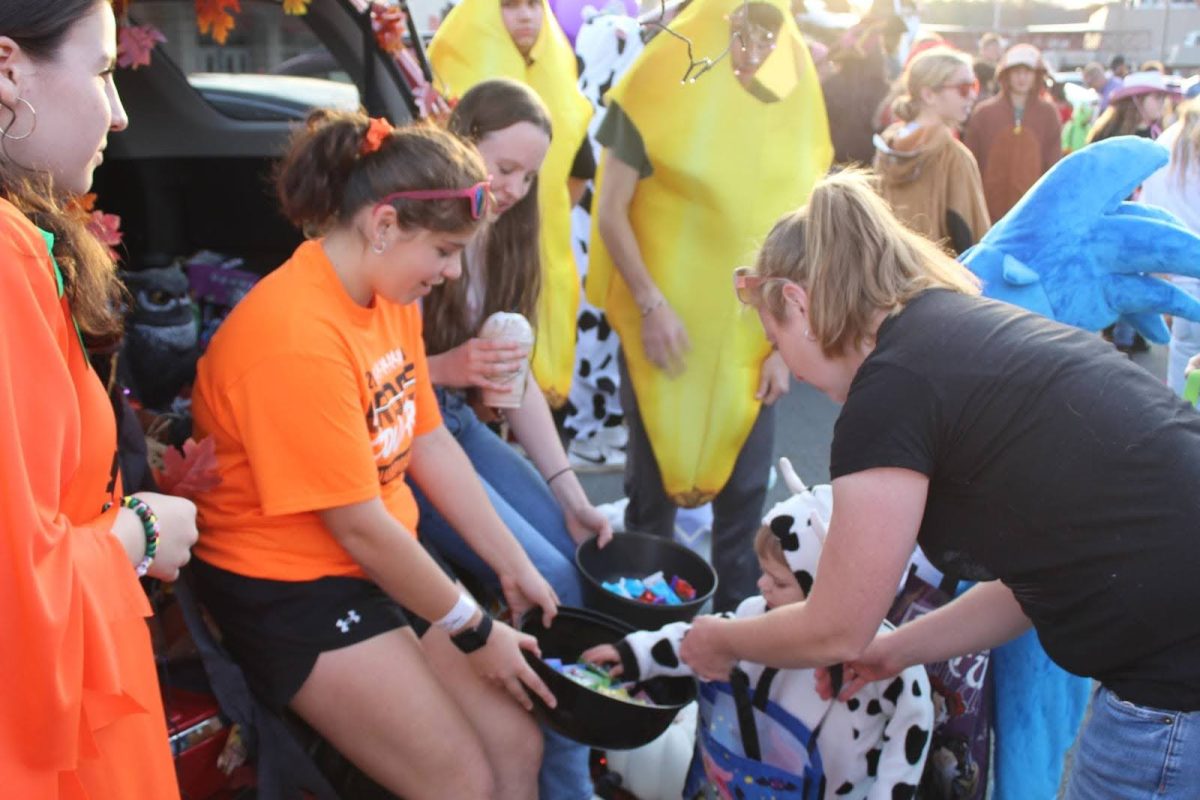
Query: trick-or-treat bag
788	766
957	767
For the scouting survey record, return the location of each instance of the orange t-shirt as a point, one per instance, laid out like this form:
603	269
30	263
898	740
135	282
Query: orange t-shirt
80	711
314	402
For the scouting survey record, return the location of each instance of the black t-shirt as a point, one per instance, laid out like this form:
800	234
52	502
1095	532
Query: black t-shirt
1055	465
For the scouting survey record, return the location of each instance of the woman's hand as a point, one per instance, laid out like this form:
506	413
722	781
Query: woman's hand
526	589
500	662
877	663
665	340
176	534
586	521
1193	364
775	379
486	363
705	651
604	655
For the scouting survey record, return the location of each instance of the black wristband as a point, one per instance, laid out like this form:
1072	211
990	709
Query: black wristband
468	640
562	471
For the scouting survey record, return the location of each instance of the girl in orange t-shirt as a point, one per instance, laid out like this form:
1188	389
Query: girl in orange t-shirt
317	394
80	711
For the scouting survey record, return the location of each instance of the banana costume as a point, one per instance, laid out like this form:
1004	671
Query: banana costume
726	167
471	46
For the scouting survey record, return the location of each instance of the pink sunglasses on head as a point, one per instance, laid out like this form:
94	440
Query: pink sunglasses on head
479	196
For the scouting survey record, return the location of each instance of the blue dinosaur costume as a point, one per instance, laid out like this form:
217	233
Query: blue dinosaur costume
1073	249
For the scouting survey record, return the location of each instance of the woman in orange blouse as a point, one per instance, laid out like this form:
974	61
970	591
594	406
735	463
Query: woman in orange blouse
80	712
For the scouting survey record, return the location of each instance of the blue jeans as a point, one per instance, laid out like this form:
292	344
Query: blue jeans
527	507
520	497
1130	752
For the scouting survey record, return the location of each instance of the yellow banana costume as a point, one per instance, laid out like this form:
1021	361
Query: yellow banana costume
471	46
726	166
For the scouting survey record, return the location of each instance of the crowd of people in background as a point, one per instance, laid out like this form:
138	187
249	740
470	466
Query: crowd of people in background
334	551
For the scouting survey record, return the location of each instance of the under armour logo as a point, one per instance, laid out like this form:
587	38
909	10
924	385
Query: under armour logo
351	618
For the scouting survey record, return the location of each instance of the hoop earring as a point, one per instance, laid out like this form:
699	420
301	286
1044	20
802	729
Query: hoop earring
378	247
4	132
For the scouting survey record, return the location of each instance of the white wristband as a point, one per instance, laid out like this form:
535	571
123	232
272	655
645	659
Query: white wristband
460	615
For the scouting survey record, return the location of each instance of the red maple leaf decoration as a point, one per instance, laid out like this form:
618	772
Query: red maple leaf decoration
388	23
107	228
135	43
191	472
216	17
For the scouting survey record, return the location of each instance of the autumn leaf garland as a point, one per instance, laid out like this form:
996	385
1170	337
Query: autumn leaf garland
215	18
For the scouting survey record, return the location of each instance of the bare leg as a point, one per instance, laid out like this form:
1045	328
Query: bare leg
379	703
509	735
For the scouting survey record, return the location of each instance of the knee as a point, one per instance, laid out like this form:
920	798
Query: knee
521	759
473	780
527	747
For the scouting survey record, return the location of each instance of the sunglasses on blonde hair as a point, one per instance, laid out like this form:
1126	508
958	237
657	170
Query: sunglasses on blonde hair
748	285
479	196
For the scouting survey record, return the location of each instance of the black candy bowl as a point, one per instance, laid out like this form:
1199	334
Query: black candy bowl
636	555
589	717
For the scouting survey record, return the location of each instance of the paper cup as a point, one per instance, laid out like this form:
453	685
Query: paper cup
508	327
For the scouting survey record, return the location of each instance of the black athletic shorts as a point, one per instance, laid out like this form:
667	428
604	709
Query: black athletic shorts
276	629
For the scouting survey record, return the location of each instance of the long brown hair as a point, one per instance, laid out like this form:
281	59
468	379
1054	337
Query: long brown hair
89	273
855	259
324	179
1121	118
511	253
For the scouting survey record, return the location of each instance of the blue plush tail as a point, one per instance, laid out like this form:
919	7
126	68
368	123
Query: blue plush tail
1038	710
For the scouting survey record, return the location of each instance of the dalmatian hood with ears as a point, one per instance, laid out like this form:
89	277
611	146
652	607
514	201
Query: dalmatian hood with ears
800	523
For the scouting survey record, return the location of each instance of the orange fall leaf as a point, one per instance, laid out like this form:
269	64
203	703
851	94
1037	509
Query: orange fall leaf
215	17
192	472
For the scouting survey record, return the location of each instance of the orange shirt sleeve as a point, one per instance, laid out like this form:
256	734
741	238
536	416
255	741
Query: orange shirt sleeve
64	582
301	423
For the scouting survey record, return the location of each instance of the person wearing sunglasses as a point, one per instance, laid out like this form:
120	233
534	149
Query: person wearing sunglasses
1020	453
539	499
1017	135
926	174
317	393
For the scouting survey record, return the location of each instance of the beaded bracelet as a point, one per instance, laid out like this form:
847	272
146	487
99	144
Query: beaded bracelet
150	525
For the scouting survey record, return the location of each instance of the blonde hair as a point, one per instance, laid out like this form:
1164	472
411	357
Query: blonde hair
1187	146
855	259
768	547
930	69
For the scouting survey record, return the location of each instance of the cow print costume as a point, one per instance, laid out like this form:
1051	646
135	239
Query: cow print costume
873	746
607	44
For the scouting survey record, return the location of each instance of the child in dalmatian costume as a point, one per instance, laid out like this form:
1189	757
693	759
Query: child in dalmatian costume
607	44
873	746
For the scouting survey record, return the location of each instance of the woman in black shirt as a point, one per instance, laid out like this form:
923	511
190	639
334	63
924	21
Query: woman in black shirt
1018	452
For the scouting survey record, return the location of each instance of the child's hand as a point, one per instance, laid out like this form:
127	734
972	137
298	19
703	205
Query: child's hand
604	655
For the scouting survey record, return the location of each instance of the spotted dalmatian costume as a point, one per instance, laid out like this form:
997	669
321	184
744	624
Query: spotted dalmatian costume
607	44
873	746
